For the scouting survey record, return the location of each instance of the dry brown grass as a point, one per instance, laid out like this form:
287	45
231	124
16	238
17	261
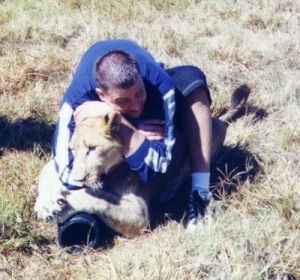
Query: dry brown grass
252	232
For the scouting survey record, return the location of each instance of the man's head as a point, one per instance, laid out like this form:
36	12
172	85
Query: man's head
120	84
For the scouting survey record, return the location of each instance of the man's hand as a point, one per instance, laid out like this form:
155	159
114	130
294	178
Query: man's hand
91	109
152	129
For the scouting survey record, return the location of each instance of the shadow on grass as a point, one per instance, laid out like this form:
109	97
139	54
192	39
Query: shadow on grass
25	134
233	167
258	113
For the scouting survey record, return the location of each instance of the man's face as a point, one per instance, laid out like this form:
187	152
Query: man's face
126	101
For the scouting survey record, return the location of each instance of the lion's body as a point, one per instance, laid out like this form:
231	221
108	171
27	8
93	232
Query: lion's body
120	200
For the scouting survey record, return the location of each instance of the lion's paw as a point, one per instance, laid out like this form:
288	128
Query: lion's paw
75	202
48	207
65	214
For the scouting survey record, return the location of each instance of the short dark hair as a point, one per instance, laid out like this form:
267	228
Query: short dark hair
116	69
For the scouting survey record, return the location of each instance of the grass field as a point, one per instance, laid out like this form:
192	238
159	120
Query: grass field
252	230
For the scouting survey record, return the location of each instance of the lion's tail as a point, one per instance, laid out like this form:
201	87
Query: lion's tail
238	104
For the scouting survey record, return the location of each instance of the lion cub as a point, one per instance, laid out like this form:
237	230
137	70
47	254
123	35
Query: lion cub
112	191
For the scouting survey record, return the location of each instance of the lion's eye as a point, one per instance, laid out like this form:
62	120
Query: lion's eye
90	149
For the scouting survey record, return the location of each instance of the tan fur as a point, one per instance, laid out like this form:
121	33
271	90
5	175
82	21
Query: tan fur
121	201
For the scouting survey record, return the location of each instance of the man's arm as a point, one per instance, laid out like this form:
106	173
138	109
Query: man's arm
147	158
153	157
63	156
131	138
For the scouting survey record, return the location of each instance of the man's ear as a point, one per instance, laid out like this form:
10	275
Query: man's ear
100	93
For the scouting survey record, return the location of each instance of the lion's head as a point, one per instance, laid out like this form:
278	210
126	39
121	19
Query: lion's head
96	149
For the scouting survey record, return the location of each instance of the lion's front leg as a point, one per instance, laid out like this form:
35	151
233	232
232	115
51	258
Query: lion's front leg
127	215
50	200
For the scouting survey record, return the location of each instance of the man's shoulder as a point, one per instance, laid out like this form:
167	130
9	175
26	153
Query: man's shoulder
102	47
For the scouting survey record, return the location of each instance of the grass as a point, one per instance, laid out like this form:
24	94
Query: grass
252	230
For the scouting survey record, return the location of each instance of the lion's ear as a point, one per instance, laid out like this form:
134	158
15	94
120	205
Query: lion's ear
112	122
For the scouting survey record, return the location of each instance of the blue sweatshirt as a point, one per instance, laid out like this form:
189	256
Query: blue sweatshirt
152	157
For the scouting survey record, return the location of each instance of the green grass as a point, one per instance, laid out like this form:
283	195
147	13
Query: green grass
252	230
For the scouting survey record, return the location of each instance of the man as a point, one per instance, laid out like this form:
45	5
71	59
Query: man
122	76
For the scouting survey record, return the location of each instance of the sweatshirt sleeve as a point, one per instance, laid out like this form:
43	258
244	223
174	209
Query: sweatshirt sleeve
80	90
153	157
63	156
